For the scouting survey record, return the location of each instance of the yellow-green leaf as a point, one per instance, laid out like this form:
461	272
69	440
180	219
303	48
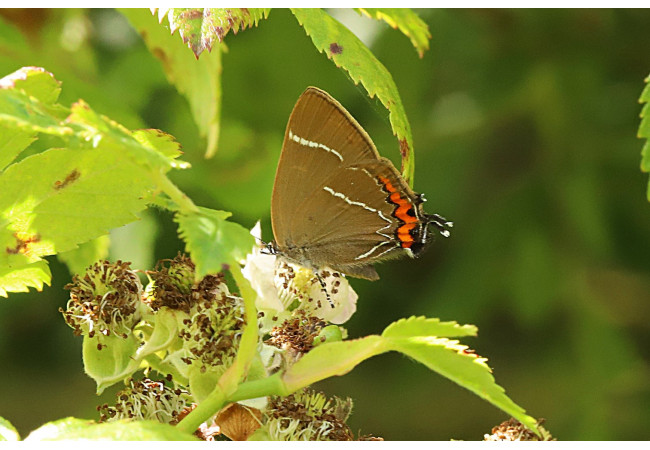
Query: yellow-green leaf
408	23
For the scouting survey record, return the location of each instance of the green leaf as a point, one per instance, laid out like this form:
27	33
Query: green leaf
408	23
122	430
7	431
86	254
198	81
454	361
142	147
52	201
212	242
31	81
35	82
347	51
415	338
200	27
332	359
20	277
644	130
422	326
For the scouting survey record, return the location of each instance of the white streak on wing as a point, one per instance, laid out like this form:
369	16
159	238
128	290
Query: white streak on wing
372	250
368	208
312	144
348	200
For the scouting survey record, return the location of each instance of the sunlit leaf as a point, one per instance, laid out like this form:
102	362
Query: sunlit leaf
122	430
408	23
200	27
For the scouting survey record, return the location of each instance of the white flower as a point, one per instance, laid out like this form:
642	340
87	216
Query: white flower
282	286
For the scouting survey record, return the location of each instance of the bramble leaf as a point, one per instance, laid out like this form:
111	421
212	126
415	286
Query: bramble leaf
120	430
200	27
20	276
52	201
213	242
413	337
198	81
422	326
347	51
644	130
408	23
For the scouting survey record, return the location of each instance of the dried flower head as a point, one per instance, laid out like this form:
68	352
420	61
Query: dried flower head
106	300
296	335
147	400
172	283
513	430
308	416
211	334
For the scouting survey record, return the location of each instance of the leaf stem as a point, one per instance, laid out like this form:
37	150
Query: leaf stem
185	204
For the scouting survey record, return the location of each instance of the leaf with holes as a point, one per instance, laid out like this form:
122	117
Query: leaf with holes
408	23
347	51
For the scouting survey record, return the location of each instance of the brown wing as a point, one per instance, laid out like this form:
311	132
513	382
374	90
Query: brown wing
321	137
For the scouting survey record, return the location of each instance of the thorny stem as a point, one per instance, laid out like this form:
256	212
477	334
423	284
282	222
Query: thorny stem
229	382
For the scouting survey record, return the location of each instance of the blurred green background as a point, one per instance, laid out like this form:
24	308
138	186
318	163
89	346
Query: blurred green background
524	126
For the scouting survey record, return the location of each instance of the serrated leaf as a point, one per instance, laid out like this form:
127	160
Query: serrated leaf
454	361
200	27
7	431
198	81
20	277
20	111
410	337
86	254
213	242
408	23
347	51
96	128
31	81
644	130
161	142
52	201
122	430
35	82
422	326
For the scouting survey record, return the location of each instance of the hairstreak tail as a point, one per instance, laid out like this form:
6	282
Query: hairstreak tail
336	202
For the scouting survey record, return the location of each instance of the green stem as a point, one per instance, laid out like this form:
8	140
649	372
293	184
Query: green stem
184	203
230	381
264	387
206	409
